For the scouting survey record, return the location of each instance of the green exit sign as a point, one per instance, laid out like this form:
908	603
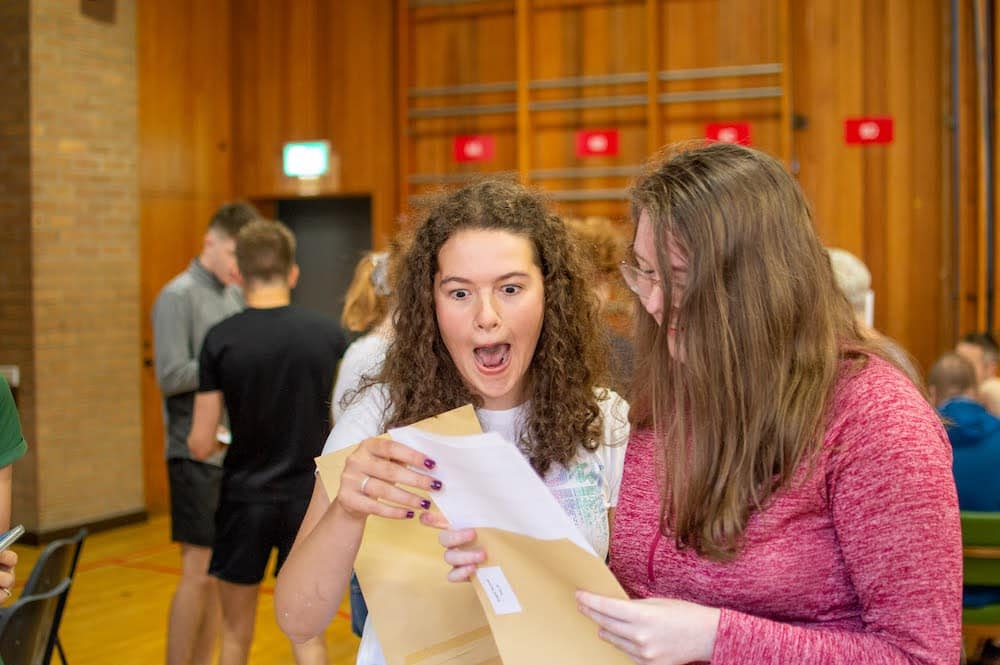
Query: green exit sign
306	159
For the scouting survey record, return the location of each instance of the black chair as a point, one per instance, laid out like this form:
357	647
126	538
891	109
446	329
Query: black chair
29	624
56	563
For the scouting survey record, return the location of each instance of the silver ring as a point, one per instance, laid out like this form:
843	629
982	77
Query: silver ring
364	482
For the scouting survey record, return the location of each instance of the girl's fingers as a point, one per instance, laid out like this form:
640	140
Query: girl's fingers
629	647
462	558
390	461
368	506
462	574
379	490
456	537
398	453
435	519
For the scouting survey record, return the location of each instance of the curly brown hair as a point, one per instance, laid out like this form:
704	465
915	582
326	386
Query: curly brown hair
570	357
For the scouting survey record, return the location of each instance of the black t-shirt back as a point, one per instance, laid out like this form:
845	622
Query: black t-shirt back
275	368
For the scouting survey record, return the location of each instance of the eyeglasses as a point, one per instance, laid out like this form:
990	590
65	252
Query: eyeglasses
639	281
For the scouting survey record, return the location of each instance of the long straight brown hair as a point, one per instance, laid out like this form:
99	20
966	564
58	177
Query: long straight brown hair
761	332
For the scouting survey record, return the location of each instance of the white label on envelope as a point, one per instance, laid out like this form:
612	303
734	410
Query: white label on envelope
498	590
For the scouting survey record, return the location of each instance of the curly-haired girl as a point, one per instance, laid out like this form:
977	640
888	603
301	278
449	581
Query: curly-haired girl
493	308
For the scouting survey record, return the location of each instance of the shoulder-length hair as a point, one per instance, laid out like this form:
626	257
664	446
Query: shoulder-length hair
569	359
366	302
761	330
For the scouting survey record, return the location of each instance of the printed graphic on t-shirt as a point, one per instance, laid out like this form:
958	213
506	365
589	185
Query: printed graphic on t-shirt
579	490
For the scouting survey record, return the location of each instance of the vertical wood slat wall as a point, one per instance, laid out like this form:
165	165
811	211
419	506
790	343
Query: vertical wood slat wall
532	72
222	85
469	65
213	116
316	69
185	169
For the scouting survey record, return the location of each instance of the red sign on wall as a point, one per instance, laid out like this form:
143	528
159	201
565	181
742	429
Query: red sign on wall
865	131
728	132
597	143
480	148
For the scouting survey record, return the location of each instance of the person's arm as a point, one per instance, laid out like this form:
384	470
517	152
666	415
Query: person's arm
176	363
316	573
315	576
202	440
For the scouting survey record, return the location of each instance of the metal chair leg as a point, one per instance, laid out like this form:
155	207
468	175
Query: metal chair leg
62	655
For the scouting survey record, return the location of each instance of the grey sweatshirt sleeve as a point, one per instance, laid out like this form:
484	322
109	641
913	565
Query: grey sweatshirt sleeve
176	362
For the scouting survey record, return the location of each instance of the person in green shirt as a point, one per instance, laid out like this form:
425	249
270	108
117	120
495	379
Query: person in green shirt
12	447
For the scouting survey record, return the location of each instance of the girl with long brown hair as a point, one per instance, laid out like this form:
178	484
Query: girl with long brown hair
493	308
787	494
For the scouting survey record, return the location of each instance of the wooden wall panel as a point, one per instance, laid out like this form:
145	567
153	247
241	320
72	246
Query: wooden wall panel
700	35
884	203
588	40
970	249
472	46
599	62
316	69
721	33
185	169
273	72
824	61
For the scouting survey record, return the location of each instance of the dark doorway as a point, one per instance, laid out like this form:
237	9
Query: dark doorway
331	235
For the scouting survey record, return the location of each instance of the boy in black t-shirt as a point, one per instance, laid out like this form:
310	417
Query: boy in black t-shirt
273	367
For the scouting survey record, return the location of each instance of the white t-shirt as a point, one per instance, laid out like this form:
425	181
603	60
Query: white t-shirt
363	357
585	490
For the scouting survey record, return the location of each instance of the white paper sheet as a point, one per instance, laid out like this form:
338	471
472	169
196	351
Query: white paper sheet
488	483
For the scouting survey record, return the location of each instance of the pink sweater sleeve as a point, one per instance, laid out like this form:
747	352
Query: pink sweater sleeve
895	514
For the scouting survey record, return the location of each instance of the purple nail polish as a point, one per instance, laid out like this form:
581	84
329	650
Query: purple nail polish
409	514
425	504
429	463
436	485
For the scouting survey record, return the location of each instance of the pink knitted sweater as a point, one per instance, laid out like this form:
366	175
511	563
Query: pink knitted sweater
859	562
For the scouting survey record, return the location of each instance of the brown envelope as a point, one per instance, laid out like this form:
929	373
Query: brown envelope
422	619
544	574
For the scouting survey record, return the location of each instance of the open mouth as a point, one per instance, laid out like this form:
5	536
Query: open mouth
492	359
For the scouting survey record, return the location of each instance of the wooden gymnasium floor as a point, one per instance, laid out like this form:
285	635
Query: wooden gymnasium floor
117	610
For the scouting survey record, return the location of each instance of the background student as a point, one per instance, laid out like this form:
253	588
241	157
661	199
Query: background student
272	366
190	304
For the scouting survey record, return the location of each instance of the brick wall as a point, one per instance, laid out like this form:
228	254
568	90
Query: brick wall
84	415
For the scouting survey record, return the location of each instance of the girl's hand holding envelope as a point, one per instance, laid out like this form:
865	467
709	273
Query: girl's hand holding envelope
375	477
458	554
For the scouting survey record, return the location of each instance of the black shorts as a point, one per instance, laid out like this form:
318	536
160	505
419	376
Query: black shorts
245	534
194	496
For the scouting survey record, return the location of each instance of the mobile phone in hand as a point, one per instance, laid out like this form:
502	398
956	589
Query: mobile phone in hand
8	538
